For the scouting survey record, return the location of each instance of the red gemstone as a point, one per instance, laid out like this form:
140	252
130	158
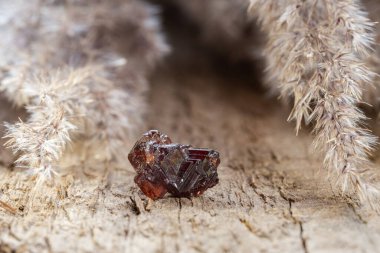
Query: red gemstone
181	170
152	189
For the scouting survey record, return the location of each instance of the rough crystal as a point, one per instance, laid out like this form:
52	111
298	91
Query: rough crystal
163	166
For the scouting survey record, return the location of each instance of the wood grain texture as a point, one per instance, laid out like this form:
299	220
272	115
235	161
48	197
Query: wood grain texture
272	195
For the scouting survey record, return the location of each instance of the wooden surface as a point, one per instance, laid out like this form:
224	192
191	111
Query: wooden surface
272	197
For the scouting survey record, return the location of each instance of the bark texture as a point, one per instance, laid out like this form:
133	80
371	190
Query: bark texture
272	195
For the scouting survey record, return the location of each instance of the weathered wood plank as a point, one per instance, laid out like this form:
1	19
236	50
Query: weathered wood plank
271	197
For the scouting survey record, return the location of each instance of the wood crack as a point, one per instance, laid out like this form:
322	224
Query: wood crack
134	206
295	220
179	211
302	237
301	229
259	194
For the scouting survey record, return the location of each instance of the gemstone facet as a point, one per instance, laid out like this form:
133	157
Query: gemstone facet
163	166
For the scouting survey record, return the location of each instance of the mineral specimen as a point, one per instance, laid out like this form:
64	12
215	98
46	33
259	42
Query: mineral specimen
163	166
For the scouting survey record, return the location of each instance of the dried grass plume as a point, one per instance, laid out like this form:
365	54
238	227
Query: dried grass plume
316	54
80	83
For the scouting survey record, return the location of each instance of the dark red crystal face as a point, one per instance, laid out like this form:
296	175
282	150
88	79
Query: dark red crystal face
181	170
143	153
153	189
